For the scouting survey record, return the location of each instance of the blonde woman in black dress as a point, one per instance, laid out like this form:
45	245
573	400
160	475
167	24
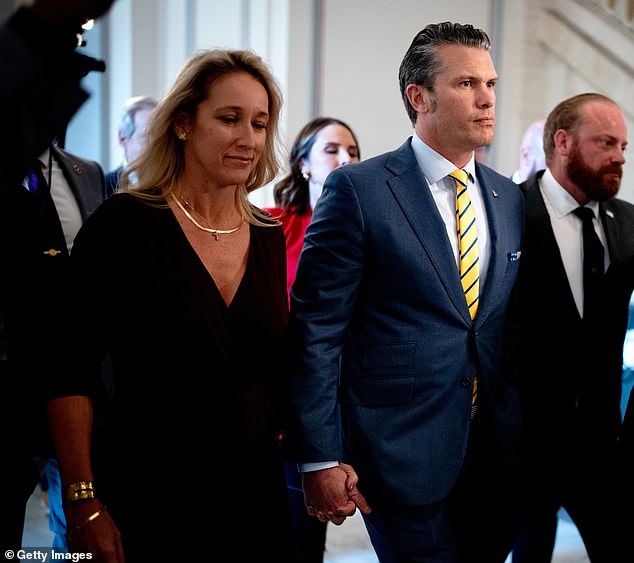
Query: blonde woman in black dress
193	284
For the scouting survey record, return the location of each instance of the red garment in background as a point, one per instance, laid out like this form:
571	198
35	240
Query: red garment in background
294	226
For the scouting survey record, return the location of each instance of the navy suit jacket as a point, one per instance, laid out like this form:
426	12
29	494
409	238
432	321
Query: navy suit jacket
385	348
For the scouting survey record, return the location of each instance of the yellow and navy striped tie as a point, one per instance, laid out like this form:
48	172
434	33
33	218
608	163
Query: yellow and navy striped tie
467	242
468	249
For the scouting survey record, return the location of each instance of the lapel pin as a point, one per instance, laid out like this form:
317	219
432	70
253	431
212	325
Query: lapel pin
609	214
494	193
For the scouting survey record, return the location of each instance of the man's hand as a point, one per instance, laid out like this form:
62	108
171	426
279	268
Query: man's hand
353	492
332	494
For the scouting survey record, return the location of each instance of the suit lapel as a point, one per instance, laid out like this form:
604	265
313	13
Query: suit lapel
619	230
493	200
86	188
419	208
539	227
540	239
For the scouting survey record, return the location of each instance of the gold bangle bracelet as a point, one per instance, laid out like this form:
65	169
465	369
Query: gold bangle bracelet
93	516
81	490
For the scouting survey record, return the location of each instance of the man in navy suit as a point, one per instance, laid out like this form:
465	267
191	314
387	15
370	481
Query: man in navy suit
387	354
571	402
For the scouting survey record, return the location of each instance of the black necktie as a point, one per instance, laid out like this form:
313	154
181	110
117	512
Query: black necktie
592	260
47	234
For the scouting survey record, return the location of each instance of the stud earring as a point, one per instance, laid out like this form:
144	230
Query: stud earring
306	176
181	135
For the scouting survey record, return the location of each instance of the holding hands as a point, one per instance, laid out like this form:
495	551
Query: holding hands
332	494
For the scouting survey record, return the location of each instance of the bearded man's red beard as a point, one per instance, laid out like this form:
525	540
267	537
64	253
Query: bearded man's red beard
598	185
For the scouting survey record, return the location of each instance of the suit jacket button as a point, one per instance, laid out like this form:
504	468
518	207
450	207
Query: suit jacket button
466	382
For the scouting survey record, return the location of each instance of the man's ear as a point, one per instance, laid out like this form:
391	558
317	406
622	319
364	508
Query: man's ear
418	97
562	140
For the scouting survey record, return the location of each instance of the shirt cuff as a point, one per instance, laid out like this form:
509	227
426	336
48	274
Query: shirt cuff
316	466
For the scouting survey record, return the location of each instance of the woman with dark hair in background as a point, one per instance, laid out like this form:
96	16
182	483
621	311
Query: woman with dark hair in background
323	144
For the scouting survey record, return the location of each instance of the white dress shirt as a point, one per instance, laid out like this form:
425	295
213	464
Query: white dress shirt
63	197
568	229
436	170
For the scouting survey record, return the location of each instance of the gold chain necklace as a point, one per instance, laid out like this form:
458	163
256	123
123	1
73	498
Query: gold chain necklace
214	232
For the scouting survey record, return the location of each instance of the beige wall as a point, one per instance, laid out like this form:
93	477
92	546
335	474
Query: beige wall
341	58
365	44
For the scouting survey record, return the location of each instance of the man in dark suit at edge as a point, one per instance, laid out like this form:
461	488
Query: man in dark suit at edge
571	338
35	242
385	333
40	90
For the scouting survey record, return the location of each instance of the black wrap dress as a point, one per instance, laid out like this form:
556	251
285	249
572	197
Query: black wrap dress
186	453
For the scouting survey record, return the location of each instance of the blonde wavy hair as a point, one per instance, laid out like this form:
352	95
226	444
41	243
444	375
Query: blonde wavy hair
161	163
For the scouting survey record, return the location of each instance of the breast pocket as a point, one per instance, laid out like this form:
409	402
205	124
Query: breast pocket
385	376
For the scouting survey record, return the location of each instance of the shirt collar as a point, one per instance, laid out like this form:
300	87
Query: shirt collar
560	200
433	165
